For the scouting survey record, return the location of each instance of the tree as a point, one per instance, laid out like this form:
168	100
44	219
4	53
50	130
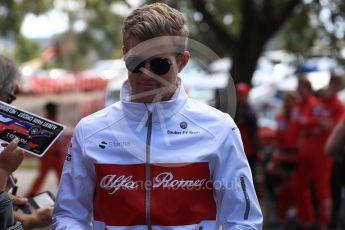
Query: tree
12	14
244	29
317	30
101	37
257	22
241	29
25	49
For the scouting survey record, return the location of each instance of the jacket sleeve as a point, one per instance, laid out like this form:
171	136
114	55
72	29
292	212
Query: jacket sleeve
237	204
73	207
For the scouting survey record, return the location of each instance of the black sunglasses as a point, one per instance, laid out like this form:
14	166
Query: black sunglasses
158	65
10	98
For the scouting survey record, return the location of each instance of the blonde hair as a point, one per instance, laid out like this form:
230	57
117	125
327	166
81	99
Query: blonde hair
154	20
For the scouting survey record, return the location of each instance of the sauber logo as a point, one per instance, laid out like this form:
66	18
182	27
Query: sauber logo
165	180
103	144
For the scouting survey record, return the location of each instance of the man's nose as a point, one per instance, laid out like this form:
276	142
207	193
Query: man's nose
146	72
146	65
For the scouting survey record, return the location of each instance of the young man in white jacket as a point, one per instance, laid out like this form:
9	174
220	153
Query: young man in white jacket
156	159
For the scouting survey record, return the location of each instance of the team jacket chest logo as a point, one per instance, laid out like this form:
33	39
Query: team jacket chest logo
120	195
183	125
165	180
184	131
103	144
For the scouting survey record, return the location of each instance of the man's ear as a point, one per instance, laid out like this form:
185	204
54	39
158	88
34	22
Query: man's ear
183	60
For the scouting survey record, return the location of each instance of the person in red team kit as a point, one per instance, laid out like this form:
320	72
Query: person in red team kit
290	138
53	159
156	159
246	121
314	166
285	159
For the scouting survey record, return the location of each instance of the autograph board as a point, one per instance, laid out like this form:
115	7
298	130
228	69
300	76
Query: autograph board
36	134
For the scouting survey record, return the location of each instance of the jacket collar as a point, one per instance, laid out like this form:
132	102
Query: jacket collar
161	111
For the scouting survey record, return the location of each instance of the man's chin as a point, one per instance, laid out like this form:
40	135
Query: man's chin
146	98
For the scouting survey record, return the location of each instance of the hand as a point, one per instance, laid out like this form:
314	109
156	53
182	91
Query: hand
40	218
11	157
18	200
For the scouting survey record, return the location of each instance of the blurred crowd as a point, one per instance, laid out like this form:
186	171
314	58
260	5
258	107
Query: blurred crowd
302	183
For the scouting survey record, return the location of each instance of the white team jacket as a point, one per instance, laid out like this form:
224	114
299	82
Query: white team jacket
180	166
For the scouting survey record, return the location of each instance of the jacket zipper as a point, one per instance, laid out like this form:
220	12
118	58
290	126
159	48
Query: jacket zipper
246	197
148	171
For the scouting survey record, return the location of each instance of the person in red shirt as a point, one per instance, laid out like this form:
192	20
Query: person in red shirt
290	135
246	120
53	159
300	113
314	166
285	158
284	120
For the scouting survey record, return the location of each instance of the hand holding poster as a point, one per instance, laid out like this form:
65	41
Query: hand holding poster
36	134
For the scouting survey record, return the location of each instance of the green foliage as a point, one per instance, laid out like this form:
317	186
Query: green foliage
102	35
37	6
304	32
12	13
11	16
297	34
317	29
26	50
